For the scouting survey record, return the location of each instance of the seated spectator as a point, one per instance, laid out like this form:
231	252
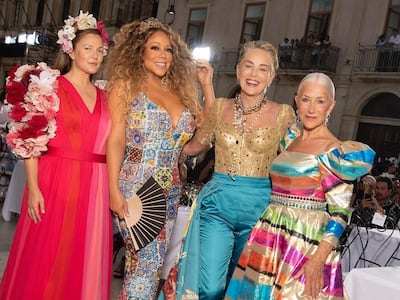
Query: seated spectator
379	202
390	170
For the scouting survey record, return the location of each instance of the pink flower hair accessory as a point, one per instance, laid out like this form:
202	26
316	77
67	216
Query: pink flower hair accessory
74	24
31	92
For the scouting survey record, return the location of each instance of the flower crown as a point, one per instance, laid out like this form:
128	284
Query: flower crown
73	25
150	23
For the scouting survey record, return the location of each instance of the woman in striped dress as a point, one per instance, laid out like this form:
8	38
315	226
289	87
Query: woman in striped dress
292	251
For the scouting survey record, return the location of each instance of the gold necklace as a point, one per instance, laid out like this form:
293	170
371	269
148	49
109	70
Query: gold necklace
239	112
239	122
250	128
248	110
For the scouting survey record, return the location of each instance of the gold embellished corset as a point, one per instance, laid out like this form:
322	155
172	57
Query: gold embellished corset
249	154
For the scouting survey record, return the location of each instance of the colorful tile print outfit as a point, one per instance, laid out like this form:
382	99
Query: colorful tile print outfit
68	254
226	209
309	203
153	148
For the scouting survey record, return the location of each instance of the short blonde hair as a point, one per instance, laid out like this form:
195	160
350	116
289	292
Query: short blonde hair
263	45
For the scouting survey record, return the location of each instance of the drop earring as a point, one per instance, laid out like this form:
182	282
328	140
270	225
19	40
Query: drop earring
327	119
297	117
165	81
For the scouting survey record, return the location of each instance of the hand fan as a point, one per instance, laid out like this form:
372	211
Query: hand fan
147	211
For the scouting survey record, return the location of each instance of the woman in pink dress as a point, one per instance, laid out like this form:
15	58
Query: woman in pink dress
63	241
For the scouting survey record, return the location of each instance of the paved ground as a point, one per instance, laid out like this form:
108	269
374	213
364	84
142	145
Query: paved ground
6	235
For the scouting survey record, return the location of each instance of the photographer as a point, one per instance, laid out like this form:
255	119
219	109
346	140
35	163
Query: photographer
379	202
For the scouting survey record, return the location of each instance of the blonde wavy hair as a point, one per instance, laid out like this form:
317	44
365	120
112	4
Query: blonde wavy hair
125	64
263	45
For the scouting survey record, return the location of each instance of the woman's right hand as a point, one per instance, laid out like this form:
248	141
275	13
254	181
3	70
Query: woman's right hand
119	205
204	72
35	205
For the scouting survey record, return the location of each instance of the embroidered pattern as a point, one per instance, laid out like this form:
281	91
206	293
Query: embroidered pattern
135	155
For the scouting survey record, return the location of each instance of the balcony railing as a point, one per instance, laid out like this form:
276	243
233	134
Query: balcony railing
290	58
377	59
228	61
308	58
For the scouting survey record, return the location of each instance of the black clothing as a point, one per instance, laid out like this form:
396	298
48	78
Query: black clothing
363	216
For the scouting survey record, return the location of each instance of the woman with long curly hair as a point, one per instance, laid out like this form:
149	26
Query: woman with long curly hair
154	106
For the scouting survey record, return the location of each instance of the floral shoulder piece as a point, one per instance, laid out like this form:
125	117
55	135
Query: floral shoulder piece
31	92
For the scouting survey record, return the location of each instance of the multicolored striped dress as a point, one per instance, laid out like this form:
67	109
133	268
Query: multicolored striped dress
309	203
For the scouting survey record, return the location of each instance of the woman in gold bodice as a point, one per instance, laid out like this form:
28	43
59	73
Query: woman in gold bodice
246	131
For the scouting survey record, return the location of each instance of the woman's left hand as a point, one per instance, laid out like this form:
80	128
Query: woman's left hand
313	270
314	280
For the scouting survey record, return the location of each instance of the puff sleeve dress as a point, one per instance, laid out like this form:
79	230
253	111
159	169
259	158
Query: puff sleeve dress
309	203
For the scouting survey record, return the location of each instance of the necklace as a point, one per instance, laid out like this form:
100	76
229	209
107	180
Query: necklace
250	128
239	112
248	110
239	122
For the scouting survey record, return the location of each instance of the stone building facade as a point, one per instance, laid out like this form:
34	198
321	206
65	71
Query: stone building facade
367	77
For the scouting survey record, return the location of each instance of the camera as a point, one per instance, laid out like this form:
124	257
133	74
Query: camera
369	185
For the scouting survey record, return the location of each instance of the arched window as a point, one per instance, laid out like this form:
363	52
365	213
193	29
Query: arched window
384	105
379	125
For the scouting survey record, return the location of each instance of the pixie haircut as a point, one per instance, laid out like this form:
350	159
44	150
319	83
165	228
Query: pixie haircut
263	45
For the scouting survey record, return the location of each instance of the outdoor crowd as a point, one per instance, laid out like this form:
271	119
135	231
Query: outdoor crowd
378	193
307	51
265	225
388	59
